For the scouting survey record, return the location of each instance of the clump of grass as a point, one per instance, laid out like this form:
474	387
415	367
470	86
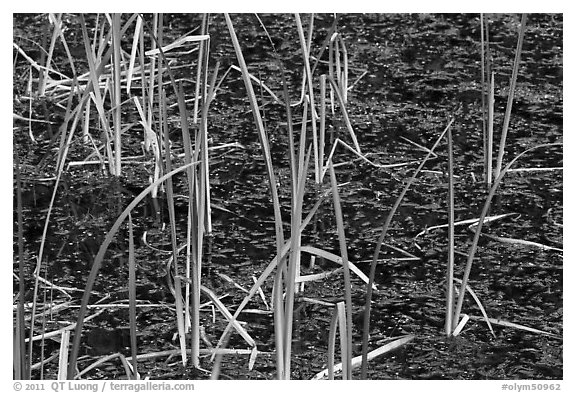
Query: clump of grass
485	209
453	324
287	269
489	86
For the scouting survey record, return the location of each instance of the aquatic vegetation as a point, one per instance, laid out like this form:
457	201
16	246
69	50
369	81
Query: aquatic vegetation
216	184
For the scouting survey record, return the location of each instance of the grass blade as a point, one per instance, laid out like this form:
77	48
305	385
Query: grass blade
295	254
116	96
249	340
345	324
501	322
461	324
480	306
332	344
271	177
336	259
449	323
138	36
44	79
21	365
322	131
132	295
180	304
201	73
483	60
510	95
490	141
261	133
357	361
63	356
309	83
522	242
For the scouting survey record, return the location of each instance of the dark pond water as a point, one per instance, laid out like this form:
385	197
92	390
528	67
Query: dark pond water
416	72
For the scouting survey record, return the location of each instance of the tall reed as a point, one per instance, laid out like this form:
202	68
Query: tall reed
483	60
116	99
309	83
20	362
96	67
279	321
449	323
490	142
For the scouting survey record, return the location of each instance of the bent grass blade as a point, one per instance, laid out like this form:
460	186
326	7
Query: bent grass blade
480	306
100	258
264	144
522	242
357	361
336	259
501	322
216	301
470	222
